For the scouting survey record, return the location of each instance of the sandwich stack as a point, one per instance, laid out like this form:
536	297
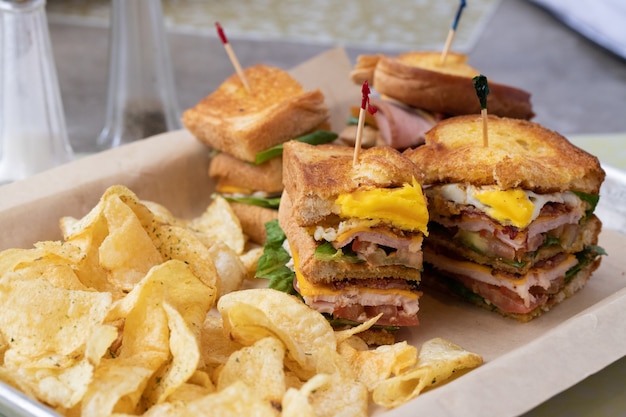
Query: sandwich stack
511	225
239	123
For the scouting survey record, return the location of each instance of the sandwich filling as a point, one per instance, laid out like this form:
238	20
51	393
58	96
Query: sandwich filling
377	227
361	300
513	248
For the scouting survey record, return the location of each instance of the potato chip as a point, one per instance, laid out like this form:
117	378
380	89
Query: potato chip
113	381
374	366
215	346
250	260
254	313
162	214
340	397
181	244
40	320
230	270
236	400
296	401
174	282
185	356
196	387
438	360
445	358
260	367
127	252
219	223
62	387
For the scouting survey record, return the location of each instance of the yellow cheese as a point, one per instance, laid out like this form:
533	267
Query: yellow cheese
308	289
508	205
404	207
233	189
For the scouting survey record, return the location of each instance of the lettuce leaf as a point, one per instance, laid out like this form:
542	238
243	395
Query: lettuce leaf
267	202
315	138
272	264
590	199
327	252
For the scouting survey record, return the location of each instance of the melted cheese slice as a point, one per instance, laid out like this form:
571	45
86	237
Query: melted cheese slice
540	277
515	207
509	205
307	289
404	207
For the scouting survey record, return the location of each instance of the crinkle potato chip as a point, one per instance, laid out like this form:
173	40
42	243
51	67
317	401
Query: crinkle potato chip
260	367
182	365
236	400
230	270
374	366
437	361
177	243
340	397
30	306
127	252
251	314
219	223
112	382
215	346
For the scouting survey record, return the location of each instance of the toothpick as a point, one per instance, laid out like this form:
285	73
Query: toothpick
232	56
482	90
451	33
365	105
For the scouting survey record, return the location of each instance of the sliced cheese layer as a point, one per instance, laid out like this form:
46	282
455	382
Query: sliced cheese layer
515	207
404	207
540	277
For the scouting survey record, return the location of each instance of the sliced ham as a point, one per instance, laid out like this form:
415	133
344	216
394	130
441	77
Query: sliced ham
526	287
383	248
401	128
360	305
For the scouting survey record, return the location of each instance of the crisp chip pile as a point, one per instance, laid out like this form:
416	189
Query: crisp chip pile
137	312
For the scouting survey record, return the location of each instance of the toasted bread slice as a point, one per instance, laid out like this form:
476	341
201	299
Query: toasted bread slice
320	272
236	176
243	123
419	80
519	154
315	176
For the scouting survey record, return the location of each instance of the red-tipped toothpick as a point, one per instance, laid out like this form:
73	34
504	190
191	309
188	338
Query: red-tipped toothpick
451	33
365	105
232	56
482	90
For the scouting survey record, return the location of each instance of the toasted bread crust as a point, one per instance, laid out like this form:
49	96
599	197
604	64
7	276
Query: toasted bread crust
315	176
519	154
244	123
253	219
417	79
320	272
230	172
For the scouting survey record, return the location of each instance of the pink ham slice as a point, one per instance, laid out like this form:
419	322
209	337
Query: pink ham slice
401	128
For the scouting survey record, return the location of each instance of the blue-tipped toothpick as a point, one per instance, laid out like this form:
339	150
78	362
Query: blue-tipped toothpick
452	31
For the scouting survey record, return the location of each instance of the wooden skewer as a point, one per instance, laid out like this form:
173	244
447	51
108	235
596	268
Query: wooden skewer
451	33
365	105
232	56
483	113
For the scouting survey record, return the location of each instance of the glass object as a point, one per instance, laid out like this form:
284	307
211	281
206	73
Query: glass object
141	98
33	134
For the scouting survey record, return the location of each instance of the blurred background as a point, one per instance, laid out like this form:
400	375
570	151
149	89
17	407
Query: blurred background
577	85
